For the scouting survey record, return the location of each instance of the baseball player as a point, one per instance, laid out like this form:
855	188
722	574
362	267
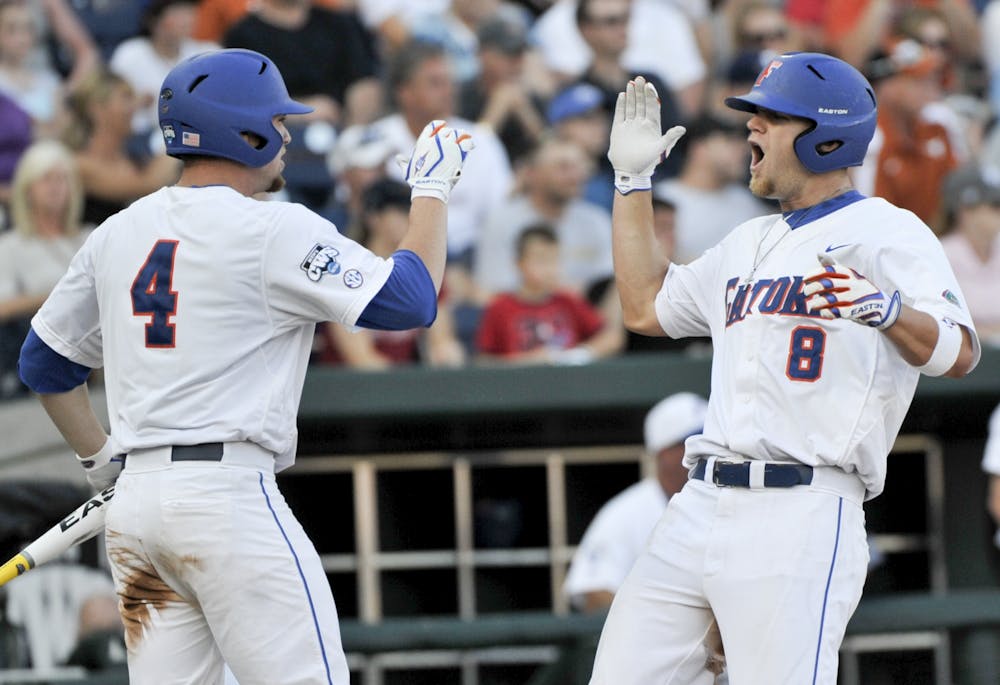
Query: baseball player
822	319
200	302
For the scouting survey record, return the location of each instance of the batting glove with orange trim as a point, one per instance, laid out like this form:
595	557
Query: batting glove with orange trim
435	164
836	291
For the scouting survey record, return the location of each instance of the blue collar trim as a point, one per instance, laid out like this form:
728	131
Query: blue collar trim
801	217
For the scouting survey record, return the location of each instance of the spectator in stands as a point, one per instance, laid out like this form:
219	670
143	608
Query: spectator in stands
107	23
145	60
500	97
357	159
551	183
758	26
990	22
660	40
383	222
541	322
112	174
604	27
917	141
215	17
991	465
855	30
46	208
36	88
577	114
972	244
327	58
419	79
618	533
710	193
456	29
15	137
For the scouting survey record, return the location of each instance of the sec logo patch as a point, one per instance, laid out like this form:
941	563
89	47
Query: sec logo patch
353	278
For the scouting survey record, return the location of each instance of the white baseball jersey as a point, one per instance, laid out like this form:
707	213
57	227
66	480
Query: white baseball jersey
790	386
614	539
204	332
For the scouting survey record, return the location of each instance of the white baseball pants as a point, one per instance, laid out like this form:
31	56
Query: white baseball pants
782	569
211	566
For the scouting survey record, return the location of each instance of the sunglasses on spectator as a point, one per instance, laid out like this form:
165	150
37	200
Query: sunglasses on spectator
765	36
610	20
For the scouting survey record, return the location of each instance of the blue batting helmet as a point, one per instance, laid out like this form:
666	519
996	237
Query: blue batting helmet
209	100
827	91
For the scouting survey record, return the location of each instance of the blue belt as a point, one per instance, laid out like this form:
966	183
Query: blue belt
209	451
737	474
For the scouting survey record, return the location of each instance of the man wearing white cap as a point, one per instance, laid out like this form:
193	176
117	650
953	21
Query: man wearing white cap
619	532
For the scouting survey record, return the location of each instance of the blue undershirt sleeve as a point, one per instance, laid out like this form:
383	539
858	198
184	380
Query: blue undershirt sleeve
46	371
407	300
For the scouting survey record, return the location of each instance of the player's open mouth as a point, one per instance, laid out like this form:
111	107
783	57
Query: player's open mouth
756	155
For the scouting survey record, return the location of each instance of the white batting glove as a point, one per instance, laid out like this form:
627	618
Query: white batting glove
103	468
436	162
637	144
836	291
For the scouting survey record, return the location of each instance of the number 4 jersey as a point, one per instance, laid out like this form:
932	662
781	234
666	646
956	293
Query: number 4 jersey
200	304
790	386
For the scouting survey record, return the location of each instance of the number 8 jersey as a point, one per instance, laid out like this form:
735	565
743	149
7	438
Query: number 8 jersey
790	386
204	331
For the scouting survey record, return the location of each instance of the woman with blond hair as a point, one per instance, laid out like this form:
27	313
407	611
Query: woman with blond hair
46	206
113	172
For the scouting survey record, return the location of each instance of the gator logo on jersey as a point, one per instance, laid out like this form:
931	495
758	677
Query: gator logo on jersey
950	297
321	260
782	296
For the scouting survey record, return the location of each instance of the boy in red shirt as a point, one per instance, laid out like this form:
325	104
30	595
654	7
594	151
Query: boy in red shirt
541	323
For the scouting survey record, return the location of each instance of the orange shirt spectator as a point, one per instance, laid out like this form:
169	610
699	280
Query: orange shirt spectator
216	16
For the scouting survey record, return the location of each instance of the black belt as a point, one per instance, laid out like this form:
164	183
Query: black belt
209	451
737	474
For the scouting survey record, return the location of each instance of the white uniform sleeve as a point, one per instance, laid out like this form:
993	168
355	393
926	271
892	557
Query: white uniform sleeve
683	305
313	273
69	321
991	455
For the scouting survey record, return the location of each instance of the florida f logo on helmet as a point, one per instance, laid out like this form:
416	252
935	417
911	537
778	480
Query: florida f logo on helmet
775	64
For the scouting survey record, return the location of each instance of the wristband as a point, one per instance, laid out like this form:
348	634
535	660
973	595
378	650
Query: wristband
625	183
946	350
99	458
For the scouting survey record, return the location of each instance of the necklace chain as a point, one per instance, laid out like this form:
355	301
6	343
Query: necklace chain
759	258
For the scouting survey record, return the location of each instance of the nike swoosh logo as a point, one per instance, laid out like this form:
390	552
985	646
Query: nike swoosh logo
831	248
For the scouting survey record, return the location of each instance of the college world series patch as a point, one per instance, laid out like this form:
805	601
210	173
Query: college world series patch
321	260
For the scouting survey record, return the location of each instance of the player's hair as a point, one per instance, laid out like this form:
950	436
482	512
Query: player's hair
40	158
826	91
539	232
96	88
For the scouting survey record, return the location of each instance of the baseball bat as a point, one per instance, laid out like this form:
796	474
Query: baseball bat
81	524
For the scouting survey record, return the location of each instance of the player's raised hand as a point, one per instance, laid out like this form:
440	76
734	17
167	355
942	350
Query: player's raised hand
836	291
436	162
637	143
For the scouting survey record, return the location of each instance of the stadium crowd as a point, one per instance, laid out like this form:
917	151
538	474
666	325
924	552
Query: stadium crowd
536	82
